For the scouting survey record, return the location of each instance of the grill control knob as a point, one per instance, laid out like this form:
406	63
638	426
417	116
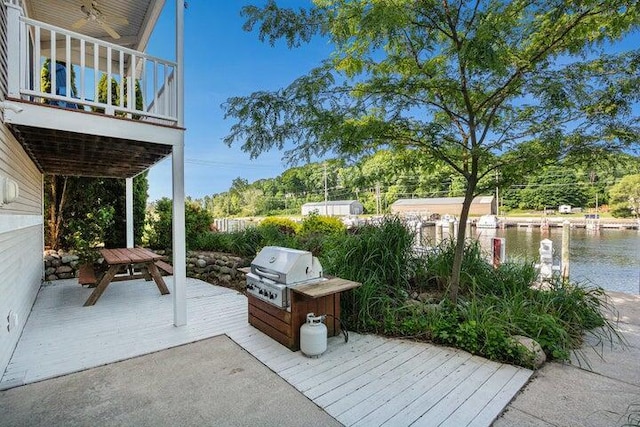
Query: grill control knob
261	292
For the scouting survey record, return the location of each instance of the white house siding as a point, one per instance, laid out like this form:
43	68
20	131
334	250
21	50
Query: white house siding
21	243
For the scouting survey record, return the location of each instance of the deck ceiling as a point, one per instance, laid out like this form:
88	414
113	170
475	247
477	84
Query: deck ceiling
57	152
140	14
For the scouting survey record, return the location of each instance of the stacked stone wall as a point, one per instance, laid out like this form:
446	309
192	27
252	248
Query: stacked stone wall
60	265
217	268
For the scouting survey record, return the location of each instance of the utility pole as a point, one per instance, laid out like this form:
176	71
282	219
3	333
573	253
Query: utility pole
497	196
326	193
593	177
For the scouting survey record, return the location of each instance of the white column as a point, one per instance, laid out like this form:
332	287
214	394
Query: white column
129	210
179	245
13	50
179	248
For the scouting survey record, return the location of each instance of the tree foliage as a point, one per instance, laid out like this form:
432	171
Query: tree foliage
159	232
103	95
480	85
554	187
625	197
71	202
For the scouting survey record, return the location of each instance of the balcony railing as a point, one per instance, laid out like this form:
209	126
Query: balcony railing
83	68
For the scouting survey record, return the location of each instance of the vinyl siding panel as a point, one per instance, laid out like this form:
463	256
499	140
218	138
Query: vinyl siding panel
16	164
20	243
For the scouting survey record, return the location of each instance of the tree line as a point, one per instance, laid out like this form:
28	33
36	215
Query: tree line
386	176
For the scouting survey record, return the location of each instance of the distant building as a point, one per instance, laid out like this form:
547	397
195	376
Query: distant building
481	205
334	208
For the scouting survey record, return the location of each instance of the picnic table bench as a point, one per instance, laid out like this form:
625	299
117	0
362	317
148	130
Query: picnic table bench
115	259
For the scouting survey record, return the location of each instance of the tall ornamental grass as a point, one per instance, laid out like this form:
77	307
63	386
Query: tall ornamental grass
378	256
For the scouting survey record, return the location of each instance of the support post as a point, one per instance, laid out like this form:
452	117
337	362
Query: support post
179	244
418	234
129	211
438	232
452	229
467	230
546	260
566	240
14	28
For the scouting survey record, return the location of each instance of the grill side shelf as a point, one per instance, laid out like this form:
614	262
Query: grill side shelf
324	288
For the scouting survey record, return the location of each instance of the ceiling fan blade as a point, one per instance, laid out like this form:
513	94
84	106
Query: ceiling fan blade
116	20
109	30
79	23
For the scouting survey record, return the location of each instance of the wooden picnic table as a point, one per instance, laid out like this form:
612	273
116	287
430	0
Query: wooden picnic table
116	258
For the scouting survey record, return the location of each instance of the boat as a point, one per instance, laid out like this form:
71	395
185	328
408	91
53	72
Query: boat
488	221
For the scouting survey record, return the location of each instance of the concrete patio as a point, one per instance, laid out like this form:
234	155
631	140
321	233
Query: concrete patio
370	380
604	392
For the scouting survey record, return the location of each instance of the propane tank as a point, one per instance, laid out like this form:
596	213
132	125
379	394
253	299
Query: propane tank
313	336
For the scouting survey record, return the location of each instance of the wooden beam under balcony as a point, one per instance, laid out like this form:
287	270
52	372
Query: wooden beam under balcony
81	143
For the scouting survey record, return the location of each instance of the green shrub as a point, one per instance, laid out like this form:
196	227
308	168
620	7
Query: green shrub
197	222
284	225
317	225
87	232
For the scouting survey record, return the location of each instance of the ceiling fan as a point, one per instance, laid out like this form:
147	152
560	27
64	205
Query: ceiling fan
94	14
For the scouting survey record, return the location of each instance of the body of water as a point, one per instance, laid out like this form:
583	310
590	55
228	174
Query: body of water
608	258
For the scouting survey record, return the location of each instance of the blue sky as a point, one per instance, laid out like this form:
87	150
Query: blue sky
221	61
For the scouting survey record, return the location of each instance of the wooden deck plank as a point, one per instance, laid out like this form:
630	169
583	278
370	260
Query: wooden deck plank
384	404
486	416
341	355
328	379
433	410
343	398
348	361
464	413
429	394
367	381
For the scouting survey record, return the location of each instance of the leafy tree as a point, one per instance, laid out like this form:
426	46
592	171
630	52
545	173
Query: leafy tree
625	197
197	222
554	187
115	95
73	199
474	84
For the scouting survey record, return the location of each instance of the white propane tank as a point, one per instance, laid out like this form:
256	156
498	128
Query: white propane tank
313	336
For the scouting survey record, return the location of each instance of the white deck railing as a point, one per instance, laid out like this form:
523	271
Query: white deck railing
90	61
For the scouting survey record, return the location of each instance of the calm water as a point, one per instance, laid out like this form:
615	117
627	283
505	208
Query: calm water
609	258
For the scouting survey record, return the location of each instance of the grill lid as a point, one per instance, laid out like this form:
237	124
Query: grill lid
286	265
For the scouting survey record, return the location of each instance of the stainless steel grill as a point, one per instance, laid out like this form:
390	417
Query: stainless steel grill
275	270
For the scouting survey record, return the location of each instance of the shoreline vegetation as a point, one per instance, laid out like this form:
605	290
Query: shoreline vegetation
405	294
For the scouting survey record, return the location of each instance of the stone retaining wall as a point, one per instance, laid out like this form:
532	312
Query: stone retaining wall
60	265
213	267
217	268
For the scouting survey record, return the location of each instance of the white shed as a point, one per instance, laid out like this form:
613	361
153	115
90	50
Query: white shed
334	208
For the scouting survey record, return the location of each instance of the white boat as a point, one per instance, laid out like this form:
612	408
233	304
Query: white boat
488	221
